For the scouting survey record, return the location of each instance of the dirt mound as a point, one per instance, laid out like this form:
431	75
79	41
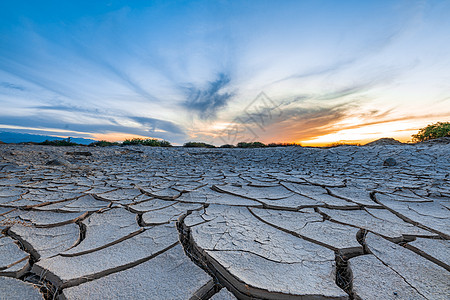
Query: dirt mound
384	141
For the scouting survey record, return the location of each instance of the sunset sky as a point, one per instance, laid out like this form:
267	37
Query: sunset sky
313	72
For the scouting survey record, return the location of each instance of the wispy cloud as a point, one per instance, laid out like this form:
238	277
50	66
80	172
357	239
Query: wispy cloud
207	101
12	86
147	127
155	125
115	71
295	123
66	108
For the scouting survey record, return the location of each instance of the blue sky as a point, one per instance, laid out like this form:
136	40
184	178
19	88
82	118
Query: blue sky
188	70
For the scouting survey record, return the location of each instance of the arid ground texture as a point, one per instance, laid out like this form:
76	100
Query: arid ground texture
367	222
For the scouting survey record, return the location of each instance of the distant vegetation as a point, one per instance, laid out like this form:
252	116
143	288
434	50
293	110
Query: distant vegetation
250	145
159	143
432	131
262	145
146	142
103	144
134	141
227	146
283	145
239	145
339	144
66	142
198	145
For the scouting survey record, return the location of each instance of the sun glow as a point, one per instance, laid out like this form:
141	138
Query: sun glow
352	134
117	136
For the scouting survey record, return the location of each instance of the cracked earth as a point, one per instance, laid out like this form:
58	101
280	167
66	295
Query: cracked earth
274	223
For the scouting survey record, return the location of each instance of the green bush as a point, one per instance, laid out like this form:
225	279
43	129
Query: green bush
339	144
198	145
66	142
103	144
432	131
250	145
147	142
283	144
164	143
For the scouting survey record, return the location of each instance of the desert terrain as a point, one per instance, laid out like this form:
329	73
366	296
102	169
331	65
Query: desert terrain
368	222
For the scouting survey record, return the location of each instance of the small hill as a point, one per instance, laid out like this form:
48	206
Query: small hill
2	143
383	142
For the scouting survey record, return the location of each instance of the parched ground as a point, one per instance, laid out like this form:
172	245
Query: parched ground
277	223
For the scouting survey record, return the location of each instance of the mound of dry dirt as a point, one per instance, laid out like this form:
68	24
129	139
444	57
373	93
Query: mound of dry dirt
384	141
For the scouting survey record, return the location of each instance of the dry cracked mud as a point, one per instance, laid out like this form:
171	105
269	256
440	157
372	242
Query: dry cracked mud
177	223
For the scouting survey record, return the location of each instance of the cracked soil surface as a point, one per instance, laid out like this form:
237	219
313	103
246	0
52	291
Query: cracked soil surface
177	223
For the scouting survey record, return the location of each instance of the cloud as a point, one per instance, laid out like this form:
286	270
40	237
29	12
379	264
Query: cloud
344	92
66	108
155	128
152	124
45	121
301	116
12	86
155	124
306	107
206	102
117	72
283	123
318	71
308	117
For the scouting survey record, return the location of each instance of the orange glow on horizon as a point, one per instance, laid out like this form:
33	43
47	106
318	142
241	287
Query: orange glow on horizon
117	136
314	143
347	133
346	130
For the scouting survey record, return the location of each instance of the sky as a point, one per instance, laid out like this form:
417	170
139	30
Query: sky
221	72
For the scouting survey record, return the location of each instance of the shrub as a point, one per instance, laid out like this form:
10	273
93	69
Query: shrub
103	144
283	144
66	142
164	143
198	145
250	145
339	144
432	131
146	142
